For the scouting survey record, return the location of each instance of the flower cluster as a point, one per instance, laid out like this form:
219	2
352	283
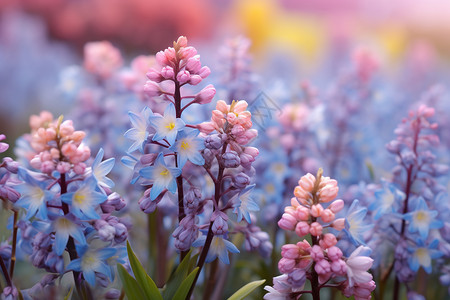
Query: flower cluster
408	211
312	212
68	206
206	166
57	145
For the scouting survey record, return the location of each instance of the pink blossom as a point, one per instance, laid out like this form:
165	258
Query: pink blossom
338	224
334	253
316	210
302	228
315	229
327	215
205	95
102	58
336	206
287	222
328	240
322	267
286	265
357	266
316	253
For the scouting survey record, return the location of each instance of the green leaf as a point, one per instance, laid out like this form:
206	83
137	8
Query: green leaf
147	285
177	277
185	286
130	285
246	290
193	262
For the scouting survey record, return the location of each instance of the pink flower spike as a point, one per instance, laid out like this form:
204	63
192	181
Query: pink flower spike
316	229
302	228
205	95
338	224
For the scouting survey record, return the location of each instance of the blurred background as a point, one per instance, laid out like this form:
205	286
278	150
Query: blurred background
302	38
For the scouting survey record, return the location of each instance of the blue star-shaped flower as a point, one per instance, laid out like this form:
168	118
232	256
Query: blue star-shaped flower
163	177
188	146
243	204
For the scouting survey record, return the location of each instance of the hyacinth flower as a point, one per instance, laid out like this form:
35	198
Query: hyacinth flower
65	195
408	215
179	157
163	177
312	212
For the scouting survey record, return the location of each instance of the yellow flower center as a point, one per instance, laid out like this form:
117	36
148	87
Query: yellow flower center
421	216
184	145
171	126
79	198
63	223
164	172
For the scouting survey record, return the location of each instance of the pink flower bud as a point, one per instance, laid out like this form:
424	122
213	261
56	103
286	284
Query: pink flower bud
193	64
307	182
294	202
205	127
290	251
204	72
334	253
47	166
152	89
287	222
339	267
328	193
79	168
170	54
69	150
286	265
301	195
301	212
304	245
63	167
155	76
316	253
322	267
50	134
316	210
327	215
35	162
54	153
66	128
251	151
161	59
222	106
182	41
302	229
328	240
166	72
187	52
205	95
336	206
183	76
338	224
77	136
315	229
195	79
